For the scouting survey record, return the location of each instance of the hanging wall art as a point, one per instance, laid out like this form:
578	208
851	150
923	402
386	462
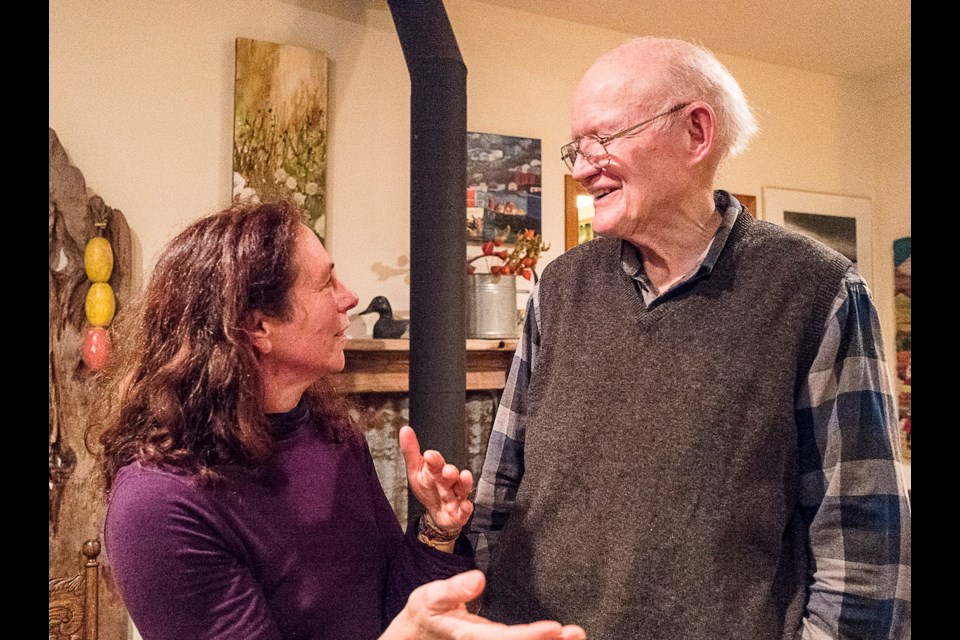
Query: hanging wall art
839	221
280	126
902	303
503	186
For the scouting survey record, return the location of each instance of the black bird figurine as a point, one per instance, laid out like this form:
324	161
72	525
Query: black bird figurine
386	326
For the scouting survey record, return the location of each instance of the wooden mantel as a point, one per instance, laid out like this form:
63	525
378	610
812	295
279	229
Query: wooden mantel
383	366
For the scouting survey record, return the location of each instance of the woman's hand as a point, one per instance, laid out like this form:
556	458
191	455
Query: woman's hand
437	611
441	488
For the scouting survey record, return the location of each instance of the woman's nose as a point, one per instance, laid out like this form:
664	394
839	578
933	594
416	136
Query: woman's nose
348	298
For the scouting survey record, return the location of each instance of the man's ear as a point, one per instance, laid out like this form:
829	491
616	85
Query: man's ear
259	328
701	131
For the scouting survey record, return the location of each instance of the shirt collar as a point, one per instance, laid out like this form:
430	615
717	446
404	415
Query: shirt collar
631	261
285	424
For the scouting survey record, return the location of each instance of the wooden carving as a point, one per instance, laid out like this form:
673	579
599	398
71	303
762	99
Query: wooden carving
73	601
77	503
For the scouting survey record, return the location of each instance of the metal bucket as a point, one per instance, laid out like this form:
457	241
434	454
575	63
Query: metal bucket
491	306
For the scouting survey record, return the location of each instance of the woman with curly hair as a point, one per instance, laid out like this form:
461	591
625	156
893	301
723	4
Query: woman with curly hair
242	498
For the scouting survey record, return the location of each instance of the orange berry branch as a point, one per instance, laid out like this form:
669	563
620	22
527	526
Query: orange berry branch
519	261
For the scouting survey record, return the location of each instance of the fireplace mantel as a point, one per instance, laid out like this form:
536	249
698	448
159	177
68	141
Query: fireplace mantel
383	366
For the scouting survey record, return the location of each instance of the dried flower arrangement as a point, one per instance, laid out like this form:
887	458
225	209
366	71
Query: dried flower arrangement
521	260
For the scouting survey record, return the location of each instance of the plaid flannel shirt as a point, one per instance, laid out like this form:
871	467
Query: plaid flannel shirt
852	491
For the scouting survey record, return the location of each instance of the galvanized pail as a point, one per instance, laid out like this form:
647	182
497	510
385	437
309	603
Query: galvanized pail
491	306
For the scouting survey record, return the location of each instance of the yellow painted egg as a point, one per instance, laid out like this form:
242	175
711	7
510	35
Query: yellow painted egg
98	259
101	304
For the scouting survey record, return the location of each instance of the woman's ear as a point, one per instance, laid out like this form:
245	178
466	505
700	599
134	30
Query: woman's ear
259	328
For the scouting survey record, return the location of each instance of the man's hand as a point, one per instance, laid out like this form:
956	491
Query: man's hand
437	611
443	490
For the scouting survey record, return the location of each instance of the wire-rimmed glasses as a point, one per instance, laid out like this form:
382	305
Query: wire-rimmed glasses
594	148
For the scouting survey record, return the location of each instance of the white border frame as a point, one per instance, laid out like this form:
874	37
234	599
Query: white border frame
776	201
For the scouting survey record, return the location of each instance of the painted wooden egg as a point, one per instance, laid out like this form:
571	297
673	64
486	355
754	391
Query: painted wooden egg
98	259
96	348
100	304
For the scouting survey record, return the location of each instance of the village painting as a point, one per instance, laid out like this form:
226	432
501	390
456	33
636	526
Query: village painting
503	186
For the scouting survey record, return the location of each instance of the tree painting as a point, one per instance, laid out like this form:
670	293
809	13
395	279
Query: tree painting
280	126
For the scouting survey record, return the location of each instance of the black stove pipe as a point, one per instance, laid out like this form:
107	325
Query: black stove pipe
438	169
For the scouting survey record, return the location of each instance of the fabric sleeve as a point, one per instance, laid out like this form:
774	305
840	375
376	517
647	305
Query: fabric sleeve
410	562
853	496
174	572
503	465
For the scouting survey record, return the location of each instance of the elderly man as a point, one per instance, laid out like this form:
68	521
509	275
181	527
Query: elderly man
697	439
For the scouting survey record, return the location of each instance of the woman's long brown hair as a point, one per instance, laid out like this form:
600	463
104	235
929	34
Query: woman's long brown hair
183	387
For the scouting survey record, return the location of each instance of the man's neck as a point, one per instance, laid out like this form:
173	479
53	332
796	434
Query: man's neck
677	247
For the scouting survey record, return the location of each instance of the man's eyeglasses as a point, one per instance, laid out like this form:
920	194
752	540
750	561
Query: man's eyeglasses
594	148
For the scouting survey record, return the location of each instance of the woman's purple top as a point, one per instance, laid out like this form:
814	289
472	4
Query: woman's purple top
308	548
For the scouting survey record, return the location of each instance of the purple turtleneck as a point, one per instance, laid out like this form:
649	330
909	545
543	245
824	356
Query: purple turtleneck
307	548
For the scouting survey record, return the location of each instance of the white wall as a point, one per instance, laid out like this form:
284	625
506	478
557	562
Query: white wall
141	97
891	112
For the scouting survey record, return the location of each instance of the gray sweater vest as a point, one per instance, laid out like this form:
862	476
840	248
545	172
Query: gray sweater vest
659	497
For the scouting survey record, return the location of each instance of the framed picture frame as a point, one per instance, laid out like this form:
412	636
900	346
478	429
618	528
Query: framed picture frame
903	295
749	202
839	221
503	186
575	200
280	126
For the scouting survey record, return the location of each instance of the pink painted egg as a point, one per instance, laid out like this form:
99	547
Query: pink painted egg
96	348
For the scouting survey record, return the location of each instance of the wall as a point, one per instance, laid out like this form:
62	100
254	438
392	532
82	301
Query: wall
141	96
890	101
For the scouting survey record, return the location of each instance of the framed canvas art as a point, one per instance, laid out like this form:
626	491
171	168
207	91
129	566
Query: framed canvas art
280	126
503	186
841	222
903	294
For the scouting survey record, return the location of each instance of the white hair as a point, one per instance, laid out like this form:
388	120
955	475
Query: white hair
694	73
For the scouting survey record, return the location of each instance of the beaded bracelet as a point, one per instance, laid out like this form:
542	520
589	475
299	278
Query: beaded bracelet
431	535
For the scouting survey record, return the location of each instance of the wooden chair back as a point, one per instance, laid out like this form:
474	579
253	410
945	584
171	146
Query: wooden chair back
74	600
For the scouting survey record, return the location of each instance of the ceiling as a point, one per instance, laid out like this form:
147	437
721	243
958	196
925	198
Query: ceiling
862	39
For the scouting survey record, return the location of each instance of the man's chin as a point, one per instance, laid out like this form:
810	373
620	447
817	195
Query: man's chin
604	225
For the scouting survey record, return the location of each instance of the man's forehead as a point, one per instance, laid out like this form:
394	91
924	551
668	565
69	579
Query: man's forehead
614	91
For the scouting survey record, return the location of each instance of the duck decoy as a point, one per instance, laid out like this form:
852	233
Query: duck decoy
386	326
